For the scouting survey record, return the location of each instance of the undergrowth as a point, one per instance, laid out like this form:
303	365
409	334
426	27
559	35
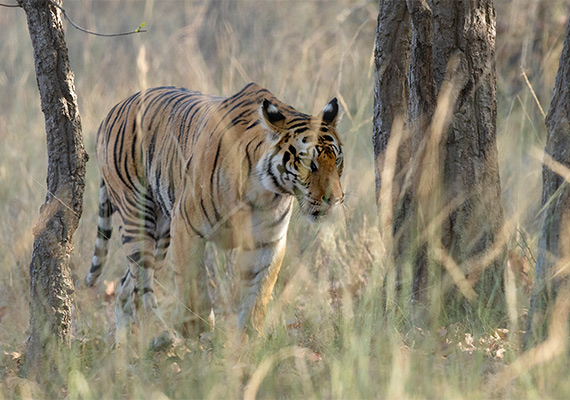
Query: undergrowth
332	329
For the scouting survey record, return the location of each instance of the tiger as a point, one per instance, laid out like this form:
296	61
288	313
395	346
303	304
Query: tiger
181	168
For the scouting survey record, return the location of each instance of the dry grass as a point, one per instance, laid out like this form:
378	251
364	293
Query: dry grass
328	332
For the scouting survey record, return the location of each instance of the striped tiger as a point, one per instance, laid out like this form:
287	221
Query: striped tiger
182	168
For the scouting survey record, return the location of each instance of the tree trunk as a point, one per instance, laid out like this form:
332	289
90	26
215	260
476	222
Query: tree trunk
472	233
553	247
51	286
392	57
454	215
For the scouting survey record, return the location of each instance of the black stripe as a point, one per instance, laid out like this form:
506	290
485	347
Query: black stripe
95	268
204	211
124	278
216	213
104	233
257	147
248	158
253	124
138	257
105	209
187	218
299	118
251	275
261	245
162	101
292	127
117	113
245	91
150	153
133	238
170	187
186	122
275	182
281	218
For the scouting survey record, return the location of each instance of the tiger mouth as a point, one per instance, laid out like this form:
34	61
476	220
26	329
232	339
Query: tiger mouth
314	211
317	216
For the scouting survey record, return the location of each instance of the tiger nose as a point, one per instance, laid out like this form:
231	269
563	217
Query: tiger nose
332	199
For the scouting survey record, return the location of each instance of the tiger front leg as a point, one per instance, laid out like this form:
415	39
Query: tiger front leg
193	313
258	269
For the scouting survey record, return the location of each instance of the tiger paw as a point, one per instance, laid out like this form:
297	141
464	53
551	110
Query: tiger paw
149	301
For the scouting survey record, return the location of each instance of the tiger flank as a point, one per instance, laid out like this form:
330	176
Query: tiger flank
185	167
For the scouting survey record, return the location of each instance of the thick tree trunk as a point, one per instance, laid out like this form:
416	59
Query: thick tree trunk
452	215
51	287
553	246
472	233
422	103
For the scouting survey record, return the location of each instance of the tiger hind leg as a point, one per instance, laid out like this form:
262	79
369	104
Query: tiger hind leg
140	245
104	231
138	279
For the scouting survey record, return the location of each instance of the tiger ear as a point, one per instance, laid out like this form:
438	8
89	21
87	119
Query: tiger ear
272	115
272	119
330	112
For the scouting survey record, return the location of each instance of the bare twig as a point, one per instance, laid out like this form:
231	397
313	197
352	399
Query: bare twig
138	30
533	93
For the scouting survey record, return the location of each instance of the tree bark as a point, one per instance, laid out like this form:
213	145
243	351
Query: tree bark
421	107
51	286
553	247
392	57
472	233
453	217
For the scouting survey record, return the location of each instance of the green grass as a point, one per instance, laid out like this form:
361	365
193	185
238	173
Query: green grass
329	331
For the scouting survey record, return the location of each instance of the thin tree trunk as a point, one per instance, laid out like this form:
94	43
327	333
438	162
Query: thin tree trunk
553	246
51	286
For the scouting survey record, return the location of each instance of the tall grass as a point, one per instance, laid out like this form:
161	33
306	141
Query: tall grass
328	332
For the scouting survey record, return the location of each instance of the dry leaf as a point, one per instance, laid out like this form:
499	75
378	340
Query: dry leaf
500	353
175	368
109	290
501	333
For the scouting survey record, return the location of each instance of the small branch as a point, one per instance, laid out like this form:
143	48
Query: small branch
10	5
533	93
138	30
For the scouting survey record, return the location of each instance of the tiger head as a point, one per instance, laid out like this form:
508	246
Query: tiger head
305	157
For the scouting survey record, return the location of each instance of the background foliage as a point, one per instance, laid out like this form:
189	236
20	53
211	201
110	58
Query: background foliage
327	332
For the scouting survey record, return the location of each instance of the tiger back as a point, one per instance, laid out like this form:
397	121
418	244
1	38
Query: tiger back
184	167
